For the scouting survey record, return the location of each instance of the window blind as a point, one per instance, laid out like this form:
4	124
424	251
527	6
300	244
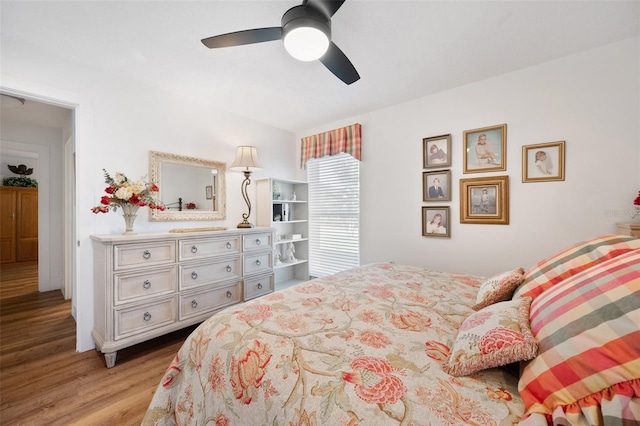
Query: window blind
334	214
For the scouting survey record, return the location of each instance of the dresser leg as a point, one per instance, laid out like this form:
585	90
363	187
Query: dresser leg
110	358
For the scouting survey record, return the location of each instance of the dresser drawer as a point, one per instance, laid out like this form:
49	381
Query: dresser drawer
132	286
201	248
144	318
258	286
127	256
255	242
199	302
202	273
259	262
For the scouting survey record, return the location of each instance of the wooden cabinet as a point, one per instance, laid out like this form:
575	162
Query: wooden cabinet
18	224
147	285
283	205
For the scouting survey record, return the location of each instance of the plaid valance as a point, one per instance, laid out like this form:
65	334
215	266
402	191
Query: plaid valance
345	139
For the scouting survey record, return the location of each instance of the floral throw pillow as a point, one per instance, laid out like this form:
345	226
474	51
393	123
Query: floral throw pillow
496	335
498	288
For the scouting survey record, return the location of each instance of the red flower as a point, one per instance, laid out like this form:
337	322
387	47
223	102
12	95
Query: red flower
172	373
105	200
374	339
637	200
499	337
134	199
109	190
154	188
437	351
374	382
248	370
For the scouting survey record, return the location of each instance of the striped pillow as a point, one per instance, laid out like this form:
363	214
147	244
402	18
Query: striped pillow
572	260
588	363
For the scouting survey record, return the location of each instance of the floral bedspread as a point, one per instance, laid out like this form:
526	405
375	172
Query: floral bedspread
362	347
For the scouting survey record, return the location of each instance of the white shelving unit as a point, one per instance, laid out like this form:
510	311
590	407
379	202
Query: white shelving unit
276	208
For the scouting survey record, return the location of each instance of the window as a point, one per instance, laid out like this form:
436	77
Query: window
334	214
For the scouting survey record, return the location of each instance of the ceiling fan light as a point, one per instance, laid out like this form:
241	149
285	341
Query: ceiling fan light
306	43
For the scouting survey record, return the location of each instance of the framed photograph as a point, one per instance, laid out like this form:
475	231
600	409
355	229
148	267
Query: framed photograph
436	151
209	191
485	150
543	162
485	200
435	222
436	186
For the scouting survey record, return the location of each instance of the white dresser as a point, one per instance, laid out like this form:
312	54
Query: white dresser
150	284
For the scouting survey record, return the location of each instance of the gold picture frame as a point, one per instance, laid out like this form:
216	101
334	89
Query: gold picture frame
485	200
436	222
485	149
543	162
436	151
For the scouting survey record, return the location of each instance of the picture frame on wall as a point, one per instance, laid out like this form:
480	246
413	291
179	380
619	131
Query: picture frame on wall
485	149
436	151
543	162
485	200
436	222
436	186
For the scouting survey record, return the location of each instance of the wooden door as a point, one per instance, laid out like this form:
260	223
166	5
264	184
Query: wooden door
7	226
27	225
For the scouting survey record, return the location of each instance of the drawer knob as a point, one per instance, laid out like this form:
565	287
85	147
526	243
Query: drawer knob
147	284
258	241
229	294
146	254
229	245
229	268
194	304
259	286
147	317
258	263
194	275
194	249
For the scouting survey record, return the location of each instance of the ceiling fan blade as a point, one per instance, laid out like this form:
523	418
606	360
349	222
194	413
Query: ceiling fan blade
328	7
339	64
238	38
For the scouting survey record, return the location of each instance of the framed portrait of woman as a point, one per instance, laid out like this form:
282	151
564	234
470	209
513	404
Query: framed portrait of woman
436	151
485	149
543	162
435	222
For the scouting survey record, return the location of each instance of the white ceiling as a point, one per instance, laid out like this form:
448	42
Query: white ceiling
402	49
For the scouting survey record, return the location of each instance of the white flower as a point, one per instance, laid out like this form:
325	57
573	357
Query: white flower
138	187
119	178
124	193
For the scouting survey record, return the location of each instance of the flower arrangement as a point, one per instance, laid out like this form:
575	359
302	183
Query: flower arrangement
636	203
123	192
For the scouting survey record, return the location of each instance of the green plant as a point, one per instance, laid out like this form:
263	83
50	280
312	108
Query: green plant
20	181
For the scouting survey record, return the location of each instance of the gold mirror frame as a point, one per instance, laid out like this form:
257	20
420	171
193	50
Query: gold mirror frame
157	159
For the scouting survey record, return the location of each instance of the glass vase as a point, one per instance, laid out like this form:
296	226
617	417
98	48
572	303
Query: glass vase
129	213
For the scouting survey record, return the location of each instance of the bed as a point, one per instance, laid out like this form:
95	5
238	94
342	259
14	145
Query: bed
387	344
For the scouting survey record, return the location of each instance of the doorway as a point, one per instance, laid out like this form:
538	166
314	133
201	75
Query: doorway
40	134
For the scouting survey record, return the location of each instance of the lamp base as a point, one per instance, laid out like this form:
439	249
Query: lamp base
245	224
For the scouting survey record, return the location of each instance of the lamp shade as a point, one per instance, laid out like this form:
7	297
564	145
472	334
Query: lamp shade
246	160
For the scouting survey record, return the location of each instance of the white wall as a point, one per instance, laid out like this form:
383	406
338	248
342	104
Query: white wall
590	100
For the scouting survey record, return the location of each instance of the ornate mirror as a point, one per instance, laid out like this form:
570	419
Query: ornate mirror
191	188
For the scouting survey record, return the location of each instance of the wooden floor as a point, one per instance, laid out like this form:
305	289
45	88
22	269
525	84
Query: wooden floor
44	381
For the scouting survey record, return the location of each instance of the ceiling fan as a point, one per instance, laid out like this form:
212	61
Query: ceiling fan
306	33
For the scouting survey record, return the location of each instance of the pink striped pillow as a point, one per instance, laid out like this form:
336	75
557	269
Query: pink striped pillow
588	365
572	260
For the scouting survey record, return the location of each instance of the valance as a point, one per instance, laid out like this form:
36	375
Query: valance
345	139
